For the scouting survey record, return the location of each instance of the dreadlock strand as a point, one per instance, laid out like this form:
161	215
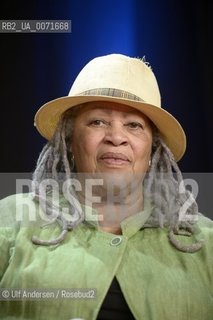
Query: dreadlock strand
55	241
59	159
184	248
40	170
163	163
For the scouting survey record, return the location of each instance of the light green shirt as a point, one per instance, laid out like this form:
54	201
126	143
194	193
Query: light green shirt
158	281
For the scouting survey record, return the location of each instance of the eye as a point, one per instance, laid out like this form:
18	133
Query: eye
134	125
97	123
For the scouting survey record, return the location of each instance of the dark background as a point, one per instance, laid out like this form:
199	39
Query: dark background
175	36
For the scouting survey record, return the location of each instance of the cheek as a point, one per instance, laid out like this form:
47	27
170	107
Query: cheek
85	144
142	151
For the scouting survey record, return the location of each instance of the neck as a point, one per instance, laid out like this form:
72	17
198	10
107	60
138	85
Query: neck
113	214
113	209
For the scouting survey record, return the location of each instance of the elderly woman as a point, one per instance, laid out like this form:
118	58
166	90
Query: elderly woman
112	219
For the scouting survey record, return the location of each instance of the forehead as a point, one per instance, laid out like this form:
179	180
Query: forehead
108	108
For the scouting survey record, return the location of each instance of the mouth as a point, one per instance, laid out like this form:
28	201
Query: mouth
114	159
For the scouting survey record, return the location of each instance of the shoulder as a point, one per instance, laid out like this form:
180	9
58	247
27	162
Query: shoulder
15	208
203	232
204	227
205	224
15	199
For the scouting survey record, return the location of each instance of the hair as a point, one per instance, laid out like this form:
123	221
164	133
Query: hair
161	186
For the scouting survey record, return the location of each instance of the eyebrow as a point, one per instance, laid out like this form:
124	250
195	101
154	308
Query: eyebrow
110	111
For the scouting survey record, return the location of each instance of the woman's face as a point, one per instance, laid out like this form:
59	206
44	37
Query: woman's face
110	137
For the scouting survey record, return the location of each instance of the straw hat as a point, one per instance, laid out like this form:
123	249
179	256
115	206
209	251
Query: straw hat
121	79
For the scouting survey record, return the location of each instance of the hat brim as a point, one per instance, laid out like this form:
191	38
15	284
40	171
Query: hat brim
47	117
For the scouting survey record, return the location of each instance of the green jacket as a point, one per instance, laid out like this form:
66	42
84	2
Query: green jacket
158	281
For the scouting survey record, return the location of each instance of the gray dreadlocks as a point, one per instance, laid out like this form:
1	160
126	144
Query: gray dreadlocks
161	185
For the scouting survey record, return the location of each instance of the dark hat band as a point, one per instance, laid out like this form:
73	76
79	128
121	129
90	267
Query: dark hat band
110	92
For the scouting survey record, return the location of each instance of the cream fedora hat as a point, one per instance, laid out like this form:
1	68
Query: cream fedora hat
121	79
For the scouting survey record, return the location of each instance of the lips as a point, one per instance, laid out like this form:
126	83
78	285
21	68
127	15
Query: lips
112	158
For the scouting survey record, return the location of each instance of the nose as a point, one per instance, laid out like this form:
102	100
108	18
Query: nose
116	135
